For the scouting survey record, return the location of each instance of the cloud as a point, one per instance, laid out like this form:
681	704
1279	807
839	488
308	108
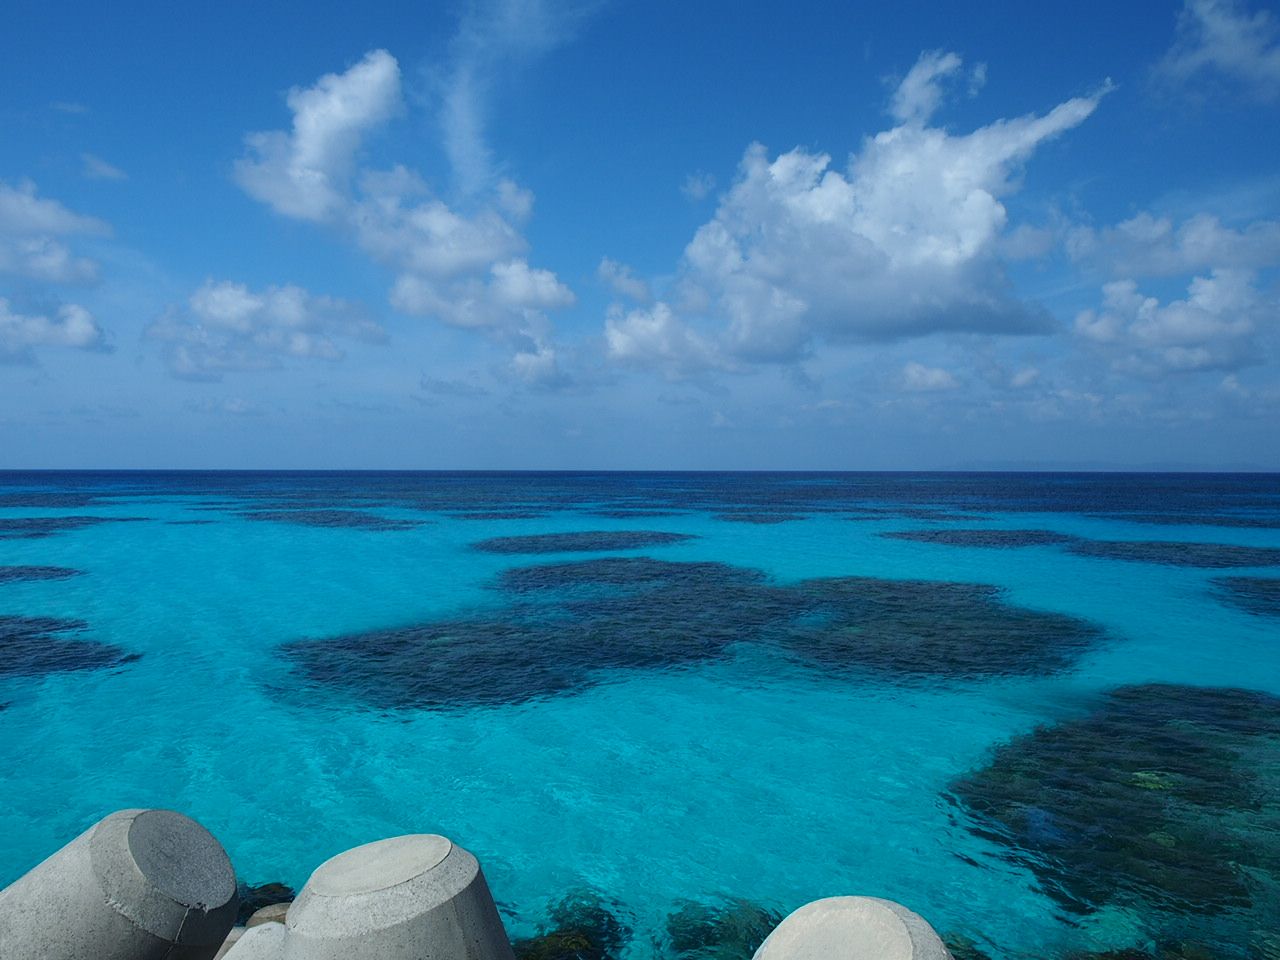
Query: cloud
621	280
72	326
452	388
903	242
919	94
918	378
1221	37
656	337
698	186
228	327
31	232
1146	245
462	262
22	212
1214	328
493	36
95	168
68	106
302	173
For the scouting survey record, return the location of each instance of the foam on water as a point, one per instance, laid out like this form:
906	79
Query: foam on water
749	775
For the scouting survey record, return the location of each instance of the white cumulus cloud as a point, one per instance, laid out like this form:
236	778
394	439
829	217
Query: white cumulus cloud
461	261
1214	328
655	337
901	242
622	281
33	233
302	173
1147	245
71	326
918	378
228	327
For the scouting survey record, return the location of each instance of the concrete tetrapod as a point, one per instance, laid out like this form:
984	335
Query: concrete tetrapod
418	897
137	885
853	928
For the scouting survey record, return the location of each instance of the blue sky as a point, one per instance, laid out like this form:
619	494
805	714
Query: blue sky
522	234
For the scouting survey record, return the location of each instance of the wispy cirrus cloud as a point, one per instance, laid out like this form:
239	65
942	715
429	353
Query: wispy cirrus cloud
1225	40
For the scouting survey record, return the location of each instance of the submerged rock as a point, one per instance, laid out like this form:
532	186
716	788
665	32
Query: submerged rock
1164	796
31	646
581	541
732	929
582	927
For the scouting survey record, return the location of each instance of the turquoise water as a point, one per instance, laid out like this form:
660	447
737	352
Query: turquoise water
752	771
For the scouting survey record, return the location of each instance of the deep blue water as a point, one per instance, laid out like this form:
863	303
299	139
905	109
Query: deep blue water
1043	710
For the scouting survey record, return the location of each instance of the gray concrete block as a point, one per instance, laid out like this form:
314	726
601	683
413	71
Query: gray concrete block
853	928
137	885
263	942
417	897
272	913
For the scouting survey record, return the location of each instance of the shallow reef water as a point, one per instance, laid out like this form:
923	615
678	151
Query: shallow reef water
562	631
1163	797
1049	750
31	646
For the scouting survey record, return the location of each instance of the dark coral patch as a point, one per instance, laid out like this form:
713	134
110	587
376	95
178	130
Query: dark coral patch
758	518
983	538
923	628
16	574
498	515
1199	520
731	929
35	528
627	513
583	927
581	542
189	523
48	500
1163	796
1259	595
1215	556
569	624
354	519
31	646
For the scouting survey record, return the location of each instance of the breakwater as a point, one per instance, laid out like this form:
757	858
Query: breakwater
156	885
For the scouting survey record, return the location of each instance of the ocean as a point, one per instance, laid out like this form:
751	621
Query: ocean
1042	710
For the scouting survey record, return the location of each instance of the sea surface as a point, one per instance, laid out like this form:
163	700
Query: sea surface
1042	710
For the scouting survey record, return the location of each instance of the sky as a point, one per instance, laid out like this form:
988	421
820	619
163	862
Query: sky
522	234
